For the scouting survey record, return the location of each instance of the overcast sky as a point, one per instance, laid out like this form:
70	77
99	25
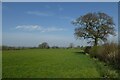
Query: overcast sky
29	24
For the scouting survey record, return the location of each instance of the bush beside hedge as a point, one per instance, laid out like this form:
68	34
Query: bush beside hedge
108	53
87	49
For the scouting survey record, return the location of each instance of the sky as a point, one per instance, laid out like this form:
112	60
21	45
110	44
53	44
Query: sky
0	24
31	23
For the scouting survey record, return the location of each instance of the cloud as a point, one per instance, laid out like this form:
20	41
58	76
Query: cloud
38	28
52	29
38	13
29	27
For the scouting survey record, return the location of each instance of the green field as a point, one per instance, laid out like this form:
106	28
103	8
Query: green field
0	64
48	63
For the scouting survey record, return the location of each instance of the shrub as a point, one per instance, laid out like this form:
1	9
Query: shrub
44	45
87	49
111	52
55	47
107	53
118	57
96	52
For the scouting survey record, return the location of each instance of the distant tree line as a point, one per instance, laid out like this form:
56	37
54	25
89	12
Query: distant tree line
0	48
12	48
43	45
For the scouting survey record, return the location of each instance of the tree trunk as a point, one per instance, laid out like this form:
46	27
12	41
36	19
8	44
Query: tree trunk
96	42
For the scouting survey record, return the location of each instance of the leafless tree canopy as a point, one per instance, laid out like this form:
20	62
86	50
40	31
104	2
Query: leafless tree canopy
97	26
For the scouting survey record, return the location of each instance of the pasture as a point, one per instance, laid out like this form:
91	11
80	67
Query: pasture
48	63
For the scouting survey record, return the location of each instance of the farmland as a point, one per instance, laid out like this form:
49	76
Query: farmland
48	63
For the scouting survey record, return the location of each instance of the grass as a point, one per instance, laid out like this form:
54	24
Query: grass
0	64
48	63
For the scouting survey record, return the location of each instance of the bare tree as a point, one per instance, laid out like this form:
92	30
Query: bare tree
96	26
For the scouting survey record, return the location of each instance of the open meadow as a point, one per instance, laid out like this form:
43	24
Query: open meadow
48	63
